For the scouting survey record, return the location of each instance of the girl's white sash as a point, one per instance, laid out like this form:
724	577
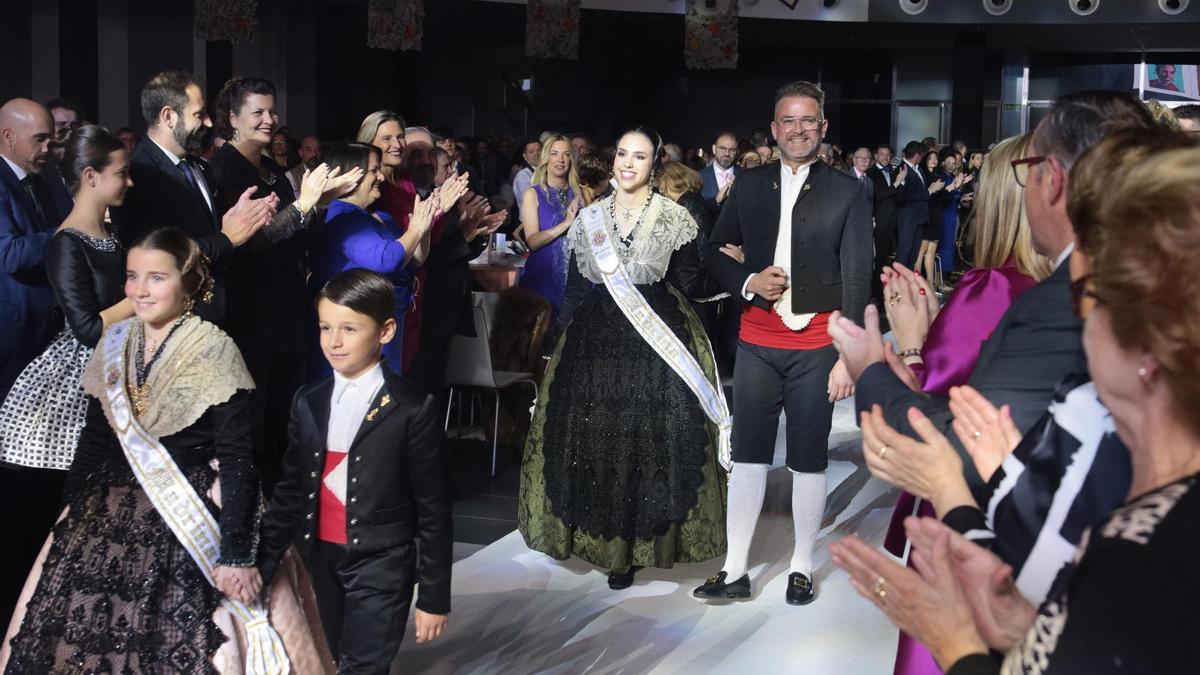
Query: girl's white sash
180	506
656	333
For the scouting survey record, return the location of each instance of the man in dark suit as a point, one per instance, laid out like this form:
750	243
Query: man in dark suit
885	179
1037	342
718	176
172	188
33	203
912	205
447	306
805	228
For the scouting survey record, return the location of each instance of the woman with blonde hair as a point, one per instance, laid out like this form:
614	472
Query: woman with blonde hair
941	344
549	207
385	130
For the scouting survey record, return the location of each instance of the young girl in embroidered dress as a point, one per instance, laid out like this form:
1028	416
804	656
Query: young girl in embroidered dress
150	567
620	467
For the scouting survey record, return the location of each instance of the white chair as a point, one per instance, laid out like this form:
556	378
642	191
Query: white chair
470	366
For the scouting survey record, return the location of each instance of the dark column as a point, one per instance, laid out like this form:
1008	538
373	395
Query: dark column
16	51
970	63
78	43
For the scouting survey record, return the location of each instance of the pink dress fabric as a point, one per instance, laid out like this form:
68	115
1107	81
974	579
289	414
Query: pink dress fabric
950	351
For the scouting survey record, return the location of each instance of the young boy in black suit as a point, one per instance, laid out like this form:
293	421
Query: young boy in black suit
365	476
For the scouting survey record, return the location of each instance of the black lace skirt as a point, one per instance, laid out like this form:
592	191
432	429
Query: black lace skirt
625	439
117	592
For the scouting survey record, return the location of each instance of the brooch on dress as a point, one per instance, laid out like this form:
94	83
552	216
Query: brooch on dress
599	238
113	377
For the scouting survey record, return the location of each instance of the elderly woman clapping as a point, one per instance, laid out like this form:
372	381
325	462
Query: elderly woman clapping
1127	603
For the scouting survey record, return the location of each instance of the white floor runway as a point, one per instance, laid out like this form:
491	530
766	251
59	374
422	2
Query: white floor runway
518	611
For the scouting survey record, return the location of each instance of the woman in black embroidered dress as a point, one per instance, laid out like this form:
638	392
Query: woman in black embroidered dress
620	466
113	590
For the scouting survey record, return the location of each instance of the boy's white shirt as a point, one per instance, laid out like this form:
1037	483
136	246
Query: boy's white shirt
348	407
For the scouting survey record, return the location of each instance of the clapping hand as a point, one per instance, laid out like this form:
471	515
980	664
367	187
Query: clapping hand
1000	613
906	305
858	347
422	214
572	211
927	602
312	187
341	184
936	186
450	191
248	216
988	434
238	583
922	467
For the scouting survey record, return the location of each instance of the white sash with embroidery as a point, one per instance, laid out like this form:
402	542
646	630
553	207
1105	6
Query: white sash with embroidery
181	507
656	333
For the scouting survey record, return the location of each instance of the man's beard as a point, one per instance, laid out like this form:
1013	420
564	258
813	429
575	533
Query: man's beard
724	163
189	141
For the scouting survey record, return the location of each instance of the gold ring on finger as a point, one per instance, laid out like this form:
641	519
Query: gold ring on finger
976	434
878	589
883	451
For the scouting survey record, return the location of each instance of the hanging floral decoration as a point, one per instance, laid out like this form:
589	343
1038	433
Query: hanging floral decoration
710	40
233	20
552	29
395	24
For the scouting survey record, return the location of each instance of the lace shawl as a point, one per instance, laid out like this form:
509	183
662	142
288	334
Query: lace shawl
664	228
200	367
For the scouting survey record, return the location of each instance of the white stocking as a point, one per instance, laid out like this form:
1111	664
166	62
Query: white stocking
747	487
808	507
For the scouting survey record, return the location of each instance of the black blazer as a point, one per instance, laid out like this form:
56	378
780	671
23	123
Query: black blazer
1035	346
832	248
885	197
912	201
398	489
161	197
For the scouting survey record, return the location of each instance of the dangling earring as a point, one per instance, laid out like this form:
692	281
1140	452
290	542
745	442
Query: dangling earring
236	135
188	306
1147	379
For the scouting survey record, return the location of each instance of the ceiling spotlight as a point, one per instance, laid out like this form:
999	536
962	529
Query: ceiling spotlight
1172	6
997	7
1083	7
914	7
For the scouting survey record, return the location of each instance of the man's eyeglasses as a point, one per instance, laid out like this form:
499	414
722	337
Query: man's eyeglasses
1083	299
1021	168
804	122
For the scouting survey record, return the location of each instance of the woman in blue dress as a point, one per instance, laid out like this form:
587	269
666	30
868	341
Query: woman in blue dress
355	235
956	180
550	205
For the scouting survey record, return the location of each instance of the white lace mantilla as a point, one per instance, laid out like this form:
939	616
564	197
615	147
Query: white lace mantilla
665	228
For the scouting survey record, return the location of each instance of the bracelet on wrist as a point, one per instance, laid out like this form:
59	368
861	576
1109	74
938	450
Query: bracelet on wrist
915	351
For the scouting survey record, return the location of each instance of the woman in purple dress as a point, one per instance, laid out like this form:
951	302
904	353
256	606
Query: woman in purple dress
941	344
549	207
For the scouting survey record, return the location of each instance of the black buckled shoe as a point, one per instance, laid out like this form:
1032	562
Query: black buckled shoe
715	588
800	589
619	581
